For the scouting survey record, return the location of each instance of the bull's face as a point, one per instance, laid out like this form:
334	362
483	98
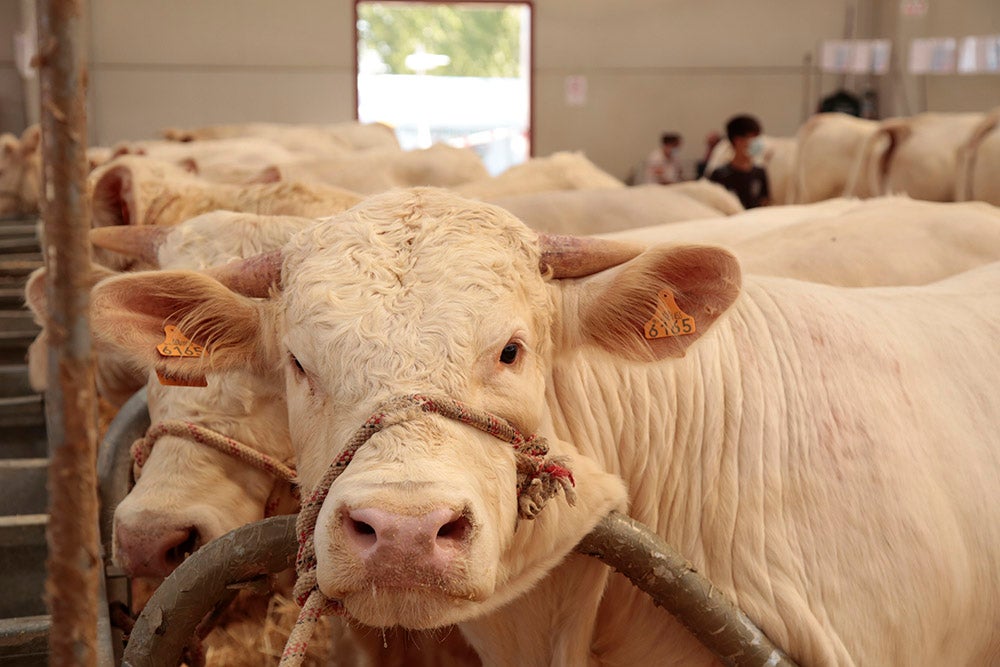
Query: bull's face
188	493
414	529
422	292
20	174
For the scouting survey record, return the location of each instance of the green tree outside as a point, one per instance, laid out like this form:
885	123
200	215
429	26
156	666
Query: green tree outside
481	41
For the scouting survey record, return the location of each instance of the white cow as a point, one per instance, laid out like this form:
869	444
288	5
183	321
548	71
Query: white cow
133	190
21	170
828	148
167	514
377	170
979	162
825	455
917	155
608	210
564	170
300	137
852	243
219	160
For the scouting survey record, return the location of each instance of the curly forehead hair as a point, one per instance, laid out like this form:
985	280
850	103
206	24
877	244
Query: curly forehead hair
420	240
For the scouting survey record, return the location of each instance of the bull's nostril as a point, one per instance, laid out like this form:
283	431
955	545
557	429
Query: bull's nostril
456	530
179	552
362	528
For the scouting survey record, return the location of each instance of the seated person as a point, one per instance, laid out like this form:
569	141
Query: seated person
741	176
661	166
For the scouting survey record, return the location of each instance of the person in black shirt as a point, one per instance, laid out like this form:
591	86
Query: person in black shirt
741	176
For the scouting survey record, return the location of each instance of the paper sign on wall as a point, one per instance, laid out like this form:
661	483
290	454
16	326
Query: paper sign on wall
576	90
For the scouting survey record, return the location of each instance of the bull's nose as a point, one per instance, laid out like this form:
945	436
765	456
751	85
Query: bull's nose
145	551
429	540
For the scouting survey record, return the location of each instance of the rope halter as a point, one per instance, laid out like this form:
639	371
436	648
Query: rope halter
539	478
143	447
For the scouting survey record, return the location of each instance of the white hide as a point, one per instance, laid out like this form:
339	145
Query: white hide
822	454
560	171
916	156
828	149
592	211
848	242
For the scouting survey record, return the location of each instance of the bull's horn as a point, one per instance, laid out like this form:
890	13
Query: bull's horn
578	256
253	276
137	241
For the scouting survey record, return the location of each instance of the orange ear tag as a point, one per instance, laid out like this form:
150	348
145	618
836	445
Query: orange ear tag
173	381
176	344
668	320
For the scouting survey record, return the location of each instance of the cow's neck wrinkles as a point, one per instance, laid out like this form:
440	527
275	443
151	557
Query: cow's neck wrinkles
671	428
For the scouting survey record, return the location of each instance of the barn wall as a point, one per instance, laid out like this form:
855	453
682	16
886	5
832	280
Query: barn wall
650	65
908	94
191	62
685	65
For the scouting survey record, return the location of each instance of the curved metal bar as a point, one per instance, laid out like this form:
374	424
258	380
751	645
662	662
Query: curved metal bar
114	463
170	617
269	546
114	475
657	569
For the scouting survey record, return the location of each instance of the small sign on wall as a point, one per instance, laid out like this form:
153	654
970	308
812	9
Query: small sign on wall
576	90
916	8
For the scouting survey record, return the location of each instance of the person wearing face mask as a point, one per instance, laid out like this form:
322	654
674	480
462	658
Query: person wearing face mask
661	166
742	176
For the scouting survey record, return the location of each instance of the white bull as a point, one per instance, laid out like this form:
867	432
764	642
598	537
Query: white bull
189	494
608	210
828	146
560	171
916	155
132	190
825	455
379	170
979	162
309	138
852	243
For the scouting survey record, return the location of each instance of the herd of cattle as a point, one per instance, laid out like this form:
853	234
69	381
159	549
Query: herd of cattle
801	399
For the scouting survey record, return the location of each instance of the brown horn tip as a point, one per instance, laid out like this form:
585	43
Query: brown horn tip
578	256
137	241
254	276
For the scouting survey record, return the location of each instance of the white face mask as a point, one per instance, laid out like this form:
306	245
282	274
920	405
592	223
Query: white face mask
756	147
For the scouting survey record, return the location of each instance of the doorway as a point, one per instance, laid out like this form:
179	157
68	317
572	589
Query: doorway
458	73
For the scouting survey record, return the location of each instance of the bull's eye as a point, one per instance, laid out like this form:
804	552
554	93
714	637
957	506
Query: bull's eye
296	364
509	353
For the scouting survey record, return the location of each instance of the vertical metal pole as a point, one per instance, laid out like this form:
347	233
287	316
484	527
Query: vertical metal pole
74	564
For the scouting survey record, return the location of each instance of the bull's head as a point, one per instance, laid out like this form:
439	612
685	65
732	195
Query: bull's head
423	292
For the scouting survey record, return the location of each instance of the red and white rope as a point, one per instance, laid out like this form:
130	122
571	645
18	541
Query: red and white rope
143	447
538	479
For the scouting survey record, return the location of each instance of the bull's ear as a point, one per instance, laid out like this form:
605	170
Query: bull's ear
654	306
226	330
35	289
31	139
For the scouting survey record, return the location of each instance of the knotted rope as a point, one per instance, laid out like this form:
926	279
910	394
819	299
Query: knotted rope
538	479
143	447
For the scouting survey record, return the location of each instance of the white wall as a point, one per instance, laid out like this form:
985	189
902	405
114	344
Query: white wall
192	62
650	65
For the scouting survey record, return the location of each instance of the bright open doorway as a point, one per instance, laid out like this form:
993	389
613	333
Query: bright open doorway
448	72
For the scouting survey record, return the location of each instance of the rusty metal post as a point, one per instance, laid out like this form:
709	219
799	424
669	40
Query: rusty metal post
73	588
